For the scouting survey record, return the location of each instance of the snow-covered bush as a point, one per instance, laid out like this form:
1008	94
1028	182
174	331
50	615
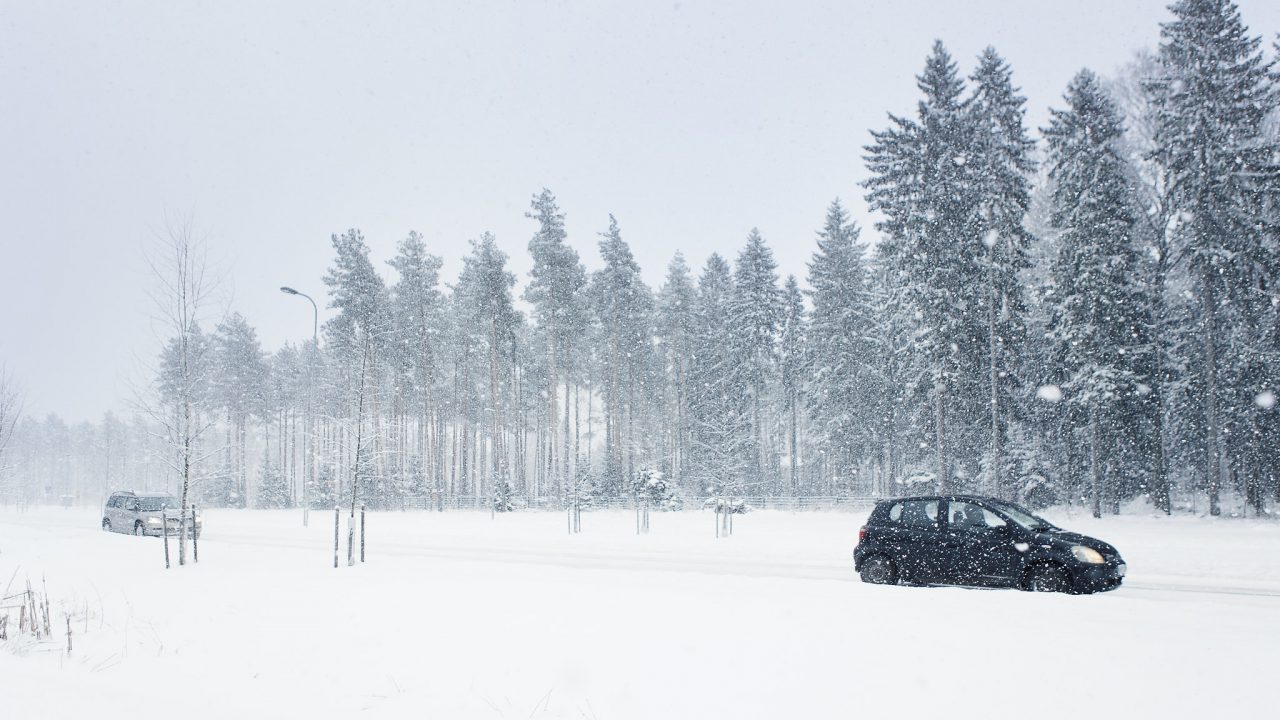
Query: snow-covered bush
500	496
651	486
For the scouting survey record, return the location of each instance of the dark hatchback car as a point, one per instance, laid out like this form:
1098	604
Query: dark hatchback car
970	540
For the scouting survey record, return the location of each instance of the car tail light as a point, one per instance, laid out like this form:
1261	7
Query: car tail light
862	534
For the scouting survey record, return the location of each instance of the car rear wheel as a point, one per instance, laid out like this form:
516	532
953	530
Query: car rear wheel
138	529
879	570
106	525
1046	578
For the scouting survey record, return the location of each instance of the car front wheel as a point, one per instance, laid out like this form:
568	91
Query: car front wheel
879	570
138	529
106	525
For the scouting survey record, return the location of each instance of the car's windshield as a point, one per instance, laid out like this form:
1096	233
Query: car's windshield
1022	517
156	504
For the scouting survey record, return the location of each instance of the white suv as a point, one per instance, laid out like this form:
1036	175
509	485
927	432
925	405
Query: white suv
143	514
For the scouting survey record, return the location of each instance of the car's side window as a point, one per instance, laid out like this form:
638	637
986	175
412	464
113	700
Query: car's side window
968	517
131	504
919	513
114	502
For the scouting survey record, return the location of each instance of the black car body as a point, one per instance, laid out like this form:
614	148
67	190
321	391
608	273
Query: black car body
972	540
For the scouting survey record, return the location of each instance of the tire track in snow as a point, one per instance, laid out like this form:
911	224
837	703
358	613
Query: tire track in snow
694	563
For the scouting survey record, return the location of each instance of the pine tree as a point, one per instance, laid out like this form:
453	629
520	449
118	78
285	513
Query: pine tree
719	430
357	335
844	390
557	279
1002	160
755	313
791	353
1210	98
677	329
484	296
623	305
1099	331
923	183
417	306
239	386
273	488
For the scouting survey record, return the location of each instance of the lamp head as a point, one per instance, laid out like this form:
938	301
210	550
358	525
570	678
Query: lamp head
288	291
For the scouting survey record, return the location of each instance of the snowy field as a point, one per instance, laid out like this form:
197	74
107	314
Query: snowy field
457	615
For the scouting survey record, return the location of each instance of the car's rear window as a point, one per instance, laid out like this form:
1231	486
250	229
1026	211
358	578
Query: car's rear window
156	504
914	513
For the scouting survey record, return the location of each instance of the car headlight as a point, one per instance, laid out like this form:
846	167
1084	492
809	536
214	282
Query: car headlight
153	521
1087	555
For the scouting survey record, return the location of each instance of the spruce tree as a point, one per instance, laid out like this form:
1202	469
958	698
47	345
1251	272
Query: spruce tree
1210	97
1002	160
718	422
791	371
755	313
273	488
844	390
923	184
677	301
1099	330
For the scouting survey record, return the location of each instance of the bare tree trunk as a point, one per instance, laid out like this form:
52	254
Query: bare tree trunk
939	419
553	380
1160	486
360	405
499	464
795	454
1095	463
1213	471
591	433
565	455
996	470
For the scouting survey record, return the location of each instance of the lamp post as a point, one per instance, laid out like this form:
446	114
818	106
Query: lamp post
309	435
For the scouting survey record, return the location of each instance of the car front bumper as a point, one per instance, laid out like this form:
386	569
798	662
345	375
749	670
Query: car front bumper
1098	578
174	530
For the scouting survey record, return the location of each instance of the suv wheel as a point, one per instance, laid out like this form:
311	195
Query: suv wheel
138	529
1045	578
879	570
106	525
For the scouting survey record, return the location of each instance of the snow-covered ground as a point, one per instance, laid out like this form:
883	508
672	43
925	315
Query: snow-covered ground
457	615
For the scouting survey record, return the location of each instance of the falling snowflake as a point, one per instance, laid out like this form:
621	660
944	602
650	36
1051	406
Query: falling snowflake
1265	399
1049	393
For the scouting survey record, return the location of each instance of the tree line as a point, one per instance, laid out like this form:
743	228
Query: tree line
1089	318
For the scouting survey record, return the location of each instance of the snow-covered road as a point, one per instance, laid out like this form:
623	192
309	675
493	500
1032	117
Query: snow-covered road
461	615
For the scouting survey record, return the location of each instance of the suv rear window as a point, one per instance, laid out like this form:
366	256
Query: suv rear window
914	513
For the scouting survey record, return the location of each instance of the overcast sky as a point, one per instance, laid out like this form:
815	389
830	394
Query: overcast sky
277	124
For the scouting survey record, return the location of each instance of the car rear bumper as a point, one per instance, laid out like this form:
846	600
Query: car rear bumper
859	553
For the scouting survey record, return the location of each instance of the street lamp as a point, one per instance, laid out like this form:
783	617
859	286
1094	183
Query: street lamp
315	347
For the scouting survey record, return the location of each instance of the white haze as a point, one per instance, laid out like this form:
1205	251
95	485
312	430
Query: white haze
277	124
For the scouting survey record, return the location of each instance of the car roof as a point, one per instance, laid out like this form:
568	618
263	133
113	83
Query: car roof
954	496
142	494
